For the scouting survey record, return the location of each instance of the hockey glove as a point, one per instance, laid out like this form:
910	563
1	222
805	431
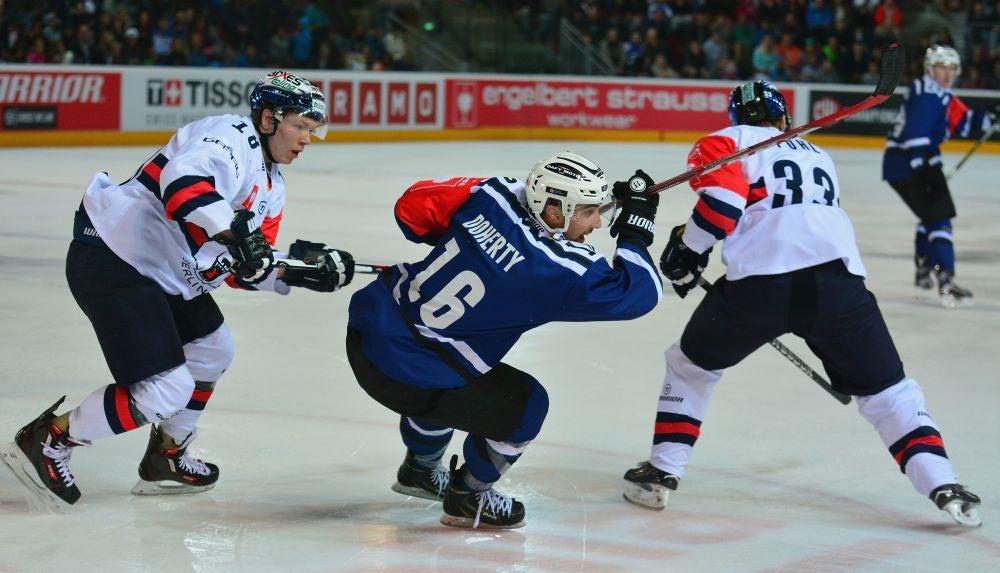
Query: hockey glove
253	258
681	265
323	269
994	112
635	221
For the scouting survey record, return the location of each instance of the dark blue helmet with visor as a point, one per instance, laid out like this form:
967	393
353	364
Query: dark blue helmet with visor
287	93
755	102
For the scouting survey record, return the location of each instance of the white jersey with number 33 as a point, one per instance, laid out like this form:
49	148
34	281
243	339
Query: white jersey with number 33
777	210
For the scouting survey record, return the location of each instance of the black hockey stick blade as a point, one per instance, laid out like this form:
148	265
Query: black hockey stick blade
794	359
891	69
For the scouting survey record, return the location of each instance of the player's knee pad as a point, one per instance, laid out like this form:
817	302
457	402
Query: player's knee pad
536	407
163	396
897	410
209	356
681	369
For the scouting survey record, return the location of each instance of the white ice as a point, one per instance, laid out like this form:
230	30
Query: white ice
783	479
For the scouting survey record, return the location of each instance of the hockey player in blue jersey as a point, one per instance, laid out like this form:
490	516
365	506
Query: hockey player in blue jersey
426	339
912	166
146	254
792	266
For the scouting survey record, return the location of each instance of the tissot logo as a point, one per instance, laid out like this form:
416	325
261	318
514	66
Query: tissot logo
174	92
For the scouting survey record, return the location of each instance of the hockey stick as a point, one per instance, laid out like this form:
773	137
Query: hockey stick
986	135
359	268
891	70
794	359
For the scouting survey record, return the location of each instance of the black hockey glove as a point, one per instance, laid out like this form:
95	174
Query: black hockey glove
323	269
253	258
635	221
681	265
994	112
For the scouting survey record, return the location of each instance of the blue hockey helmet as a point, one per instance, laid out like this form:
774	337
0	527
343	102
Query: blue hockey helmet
755	102
287	93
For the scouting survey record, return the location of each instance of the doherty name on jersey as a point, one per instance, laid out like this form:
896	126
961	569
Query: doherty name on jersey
496	246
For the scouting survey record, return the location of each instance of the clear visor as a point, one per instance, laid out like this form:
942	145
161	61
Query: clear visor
314	114
607	212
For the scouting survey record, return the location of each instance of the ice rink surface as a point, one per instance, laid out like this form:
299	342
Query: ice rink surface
783	479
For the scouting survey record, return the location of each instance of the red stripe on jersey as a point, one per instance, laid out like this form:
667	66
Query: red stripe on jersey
707	150
956	111
186	194
677	428
721	221
197	234
270	228
248	202
153	170
201	395
427	206
927	440
123	411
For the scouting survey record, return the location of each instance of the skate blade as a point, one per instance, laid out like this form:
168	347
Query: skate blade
167	487
968	518
954	303
468	523
646	495
39	497
416	492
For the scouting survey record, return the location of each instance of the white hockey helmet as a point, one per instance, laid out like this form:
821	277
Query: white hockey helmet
567	180
944	55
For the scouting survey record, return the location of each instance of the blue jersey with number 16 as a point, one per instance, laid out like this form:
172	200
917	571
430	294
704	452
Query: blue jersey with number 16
492	275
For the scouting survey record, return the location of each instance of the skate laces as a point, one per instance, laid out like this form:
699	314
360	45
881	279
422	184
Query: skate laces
440	478
60	455
495	502
192	465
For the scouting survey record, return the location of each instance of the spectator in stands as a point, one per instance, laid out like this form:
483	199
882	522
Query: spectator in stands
613	50
888	18
765	59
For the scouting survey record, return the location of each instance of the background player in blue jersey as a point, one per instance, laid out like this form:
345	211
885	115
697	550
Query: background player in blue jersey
146	254
426	339
792	265
912	165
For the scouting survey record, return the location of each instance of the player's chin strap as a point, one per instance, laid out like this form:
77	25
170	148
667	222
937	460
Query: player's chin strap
794	359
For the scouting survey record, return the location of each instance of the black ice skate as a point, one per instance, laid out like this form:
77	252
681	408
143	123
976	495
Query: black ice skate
428	483
172	471
922	280
486	509
647	486
39	457
958	502
952	295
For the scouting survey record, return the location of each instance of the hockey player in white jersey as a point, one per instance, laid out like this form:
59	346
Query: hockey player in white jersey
204	210
428	338
792	265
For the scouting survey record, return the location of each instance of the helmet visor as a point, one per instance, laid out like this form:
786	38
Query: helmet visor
607	211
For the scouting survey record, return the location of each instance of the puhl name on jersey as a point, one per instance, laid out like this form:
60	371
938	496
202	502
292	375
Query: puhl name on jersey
496	246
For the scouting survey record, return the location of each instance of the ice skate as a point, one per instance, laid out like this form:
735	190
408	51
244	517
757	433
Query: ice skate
172	471
922	281
479	509
428	483
958	502
952	295
647	486
39	458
